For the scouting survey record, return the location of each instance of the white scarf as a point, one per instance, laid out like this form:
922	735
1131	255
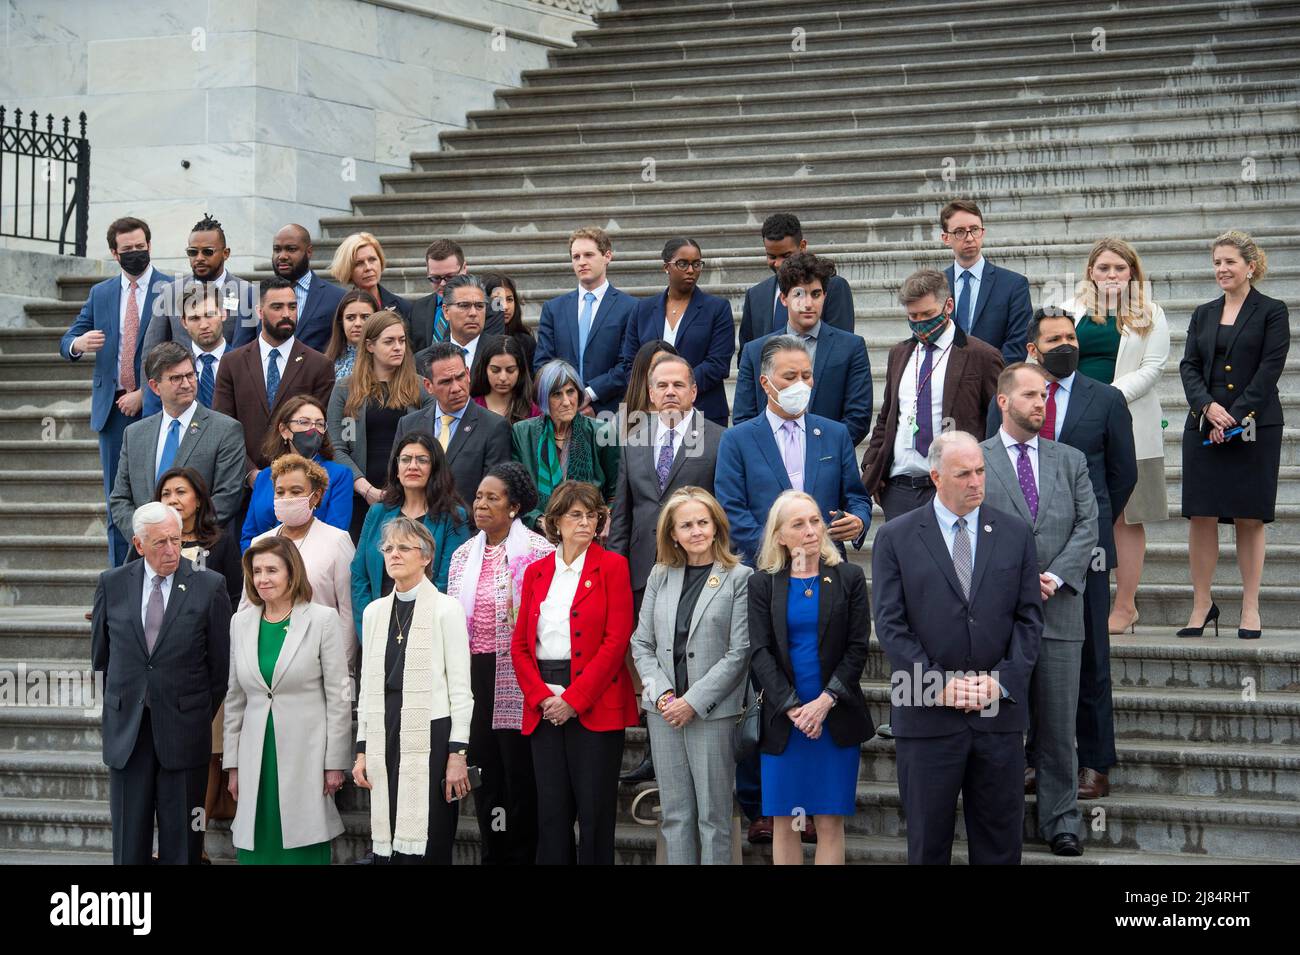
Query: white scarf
518	542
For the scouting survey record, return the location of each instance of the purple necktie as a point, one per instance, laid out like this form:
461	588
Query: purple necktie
924	411
1026	475
665	463
791	456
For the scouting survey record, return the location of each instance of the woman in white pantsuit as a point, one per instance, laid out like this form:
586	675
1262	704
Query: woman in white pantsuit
691	648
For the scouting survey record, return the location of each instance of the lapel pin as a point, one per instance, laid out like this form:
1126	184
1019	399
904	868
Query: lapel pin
299	358
181	586
714	581
588	583
826	580
817	432
988	528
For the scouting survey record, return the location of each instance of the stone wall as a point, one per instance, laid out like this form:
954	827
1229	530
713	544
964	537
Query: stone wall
263	111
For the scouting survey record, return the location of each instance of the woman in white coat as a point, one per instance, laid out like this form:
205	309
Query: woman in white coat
288	714
1124	342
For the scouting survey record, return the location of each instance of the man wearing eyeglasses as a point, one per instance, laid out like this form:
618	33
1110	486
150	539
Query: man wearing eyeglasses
182	434
443	260
465	304
992	303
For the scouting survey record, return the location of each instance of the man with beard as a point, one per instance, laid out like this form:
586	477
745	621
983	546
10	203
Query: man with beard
318	298
256	378
764	312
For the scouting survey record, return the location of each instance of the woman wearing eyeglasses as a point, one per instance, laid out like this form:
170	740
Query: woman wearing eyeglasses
697	324
418	486
299	428
366	406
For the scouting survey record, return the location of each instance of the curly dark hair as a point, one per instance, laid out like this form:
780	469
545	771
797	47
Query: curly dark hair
206	529
210	224
520	490
801	269
781	225
440	491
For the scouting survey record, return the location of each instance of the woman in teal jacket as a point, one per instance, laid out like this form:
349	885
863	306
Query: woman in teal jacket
419	486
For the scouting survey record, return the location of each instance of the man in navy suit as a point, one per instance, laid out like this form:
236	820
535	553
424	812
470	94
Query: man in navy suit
1094	418
585	327
959	614
117	312
992	304
318	298
764	312
841	368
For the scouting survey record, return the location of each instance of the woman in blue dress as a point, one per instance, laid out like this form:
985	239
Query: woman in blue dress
809	628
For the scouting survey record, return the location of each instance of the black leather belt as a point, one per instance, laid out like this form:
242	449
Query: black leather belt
908	480
554	671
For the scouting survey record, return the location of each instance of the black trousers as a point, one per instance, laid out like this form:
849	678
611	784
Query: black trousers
506	802
577	780
142	790
988	771
1095	726
899	499
443	815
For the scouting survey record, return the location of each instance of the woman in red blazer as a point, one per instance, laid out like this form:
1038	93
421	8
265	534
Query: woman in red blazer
569	647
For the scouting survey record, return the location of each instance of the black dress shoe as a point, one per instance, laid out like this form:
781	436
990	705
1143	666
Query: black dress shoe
884	732
1066	844
642	774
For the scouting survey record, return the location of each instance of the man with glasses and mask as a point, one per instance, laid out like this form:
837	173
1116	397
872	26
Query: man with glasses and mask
992	303
182	434
318	298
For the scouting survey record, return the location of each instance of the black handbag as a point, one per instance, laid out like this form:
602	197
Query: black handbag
748	729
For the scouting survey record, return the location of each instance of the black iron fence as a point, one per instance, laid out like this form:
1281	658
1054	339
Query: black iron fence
44	181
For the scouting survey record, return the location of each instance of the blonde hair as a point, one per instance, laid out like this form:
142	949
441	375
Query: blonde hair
670	552
1251	253
345	256
1135	309
317	475
773	556
403	388
595	234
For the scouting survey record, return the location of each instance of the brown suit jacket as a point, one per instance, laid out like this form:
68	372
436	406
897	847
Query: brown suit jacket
970	383
241	391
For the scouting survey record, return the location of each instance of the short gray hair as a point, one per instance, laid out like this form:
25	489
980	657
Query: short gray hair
946	440
459	282
408	528
780	343
155	512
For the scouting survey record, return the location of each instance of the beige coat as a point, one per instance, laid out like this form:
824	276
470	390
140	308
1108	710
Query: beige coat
310	699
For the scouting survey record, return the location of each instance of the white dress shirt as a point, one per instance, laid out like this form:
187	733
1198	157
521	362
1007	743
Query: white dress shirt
141	291
976	277
471	349
147	589
906	458
265	348
554	634
678	430
184	418
776	423
1014	454
670	331
216	353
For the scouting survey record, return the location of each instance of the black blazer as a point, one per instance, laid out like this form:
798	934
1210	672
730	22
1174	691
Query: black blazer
1257	351
394	301
224	558
844	627
184	679
420	323
481	442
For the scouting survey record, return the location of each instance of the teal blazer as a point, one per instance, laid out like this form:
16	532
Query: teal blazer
368	564
524	436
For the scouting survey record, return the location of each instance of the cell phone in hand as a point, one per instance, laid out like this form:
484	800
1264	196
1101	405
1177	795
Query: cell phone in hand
475	780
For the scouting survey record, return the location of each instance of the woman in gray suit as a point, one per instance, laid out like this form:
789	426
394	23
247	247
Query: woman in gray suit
288	713
691	648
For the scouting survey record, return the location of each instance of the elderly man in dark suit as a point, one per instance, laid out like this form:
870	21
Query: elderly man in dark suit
992	302
959	612
937	380
183	433
255	380
1046	484
475	439
160	635
1094	418
318	298
841	368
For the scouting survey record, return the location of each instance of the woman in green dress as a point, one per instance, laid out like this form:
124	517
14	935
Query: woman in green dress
288	716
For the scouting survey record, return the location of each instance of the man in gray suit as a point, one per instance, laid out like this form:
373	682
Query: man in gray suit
1047	484
160	635
185	434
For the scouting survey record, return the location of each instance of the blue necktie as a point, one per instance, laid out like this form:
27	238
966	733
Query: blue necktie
963	302
780	316
207	380
924	411
172	442
439	322
584	329
272	377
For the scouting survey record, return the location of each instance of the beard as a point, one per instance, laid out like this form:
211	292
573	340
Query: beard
1024	421
295	272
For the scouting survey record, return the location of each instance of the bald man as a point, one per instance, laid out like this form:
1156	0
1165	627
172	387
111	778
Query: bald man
318	298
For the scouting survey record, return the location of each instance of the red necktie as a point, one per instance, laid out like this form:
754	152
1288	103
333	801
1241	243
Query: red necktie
1049	419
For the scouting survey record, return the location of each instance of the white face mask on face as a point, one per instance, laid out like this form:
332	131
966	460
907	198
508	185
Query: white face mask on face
794	398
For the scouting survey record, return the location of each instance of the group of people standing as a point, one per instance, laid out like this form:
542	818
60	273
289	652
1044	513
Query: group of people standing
497	551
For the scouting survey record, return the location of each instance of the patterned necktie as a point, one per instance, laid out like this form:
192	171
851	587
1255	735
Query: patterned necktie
961	561
791	456
207	380
584	329
665	463
440	326
153	613
924	412
1049	418
444	436
272	377
170	444
130	334
963	303
1025	473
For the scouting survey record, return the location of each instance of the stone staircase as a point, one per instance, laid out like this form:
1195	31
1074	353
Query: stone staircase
863	118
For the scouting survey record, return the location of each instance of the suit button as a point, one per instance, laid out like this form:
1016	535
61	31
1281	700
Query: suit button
1227	368
690	656
577	653
970	619
148	666
575	613
1230	387
270	696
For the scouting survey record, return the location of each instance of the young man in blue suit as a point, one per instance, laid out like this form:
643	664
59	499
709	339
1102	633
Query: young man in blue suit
585	327
992	303
764	312
841	368
317	297
117	311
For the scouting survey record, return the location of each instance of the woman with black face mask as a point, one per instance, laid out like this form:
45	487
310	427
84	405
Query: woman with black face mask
299	428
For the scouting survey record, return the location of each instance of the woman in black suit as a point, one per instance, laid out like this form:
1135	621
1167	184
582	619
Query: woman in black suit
809	629
1236	350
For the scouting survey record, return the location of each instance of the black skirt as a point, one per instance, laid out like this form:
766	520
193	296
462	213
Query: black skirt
1236	479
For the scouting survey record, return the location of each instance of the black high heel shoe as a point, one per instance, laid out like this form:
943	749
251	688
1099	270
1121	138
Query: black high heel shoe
1248	634
1211	617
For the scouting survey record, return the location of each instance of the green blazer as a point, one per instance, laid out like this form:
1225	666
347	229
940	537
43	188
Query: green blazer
524	436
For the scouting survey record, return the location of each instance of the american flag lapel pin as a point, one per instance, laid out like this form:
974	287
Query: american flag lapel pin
817	432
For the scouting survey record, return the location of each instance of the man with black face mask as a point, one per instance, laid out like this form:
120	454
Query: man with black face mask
1094	418
318	297
937	380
